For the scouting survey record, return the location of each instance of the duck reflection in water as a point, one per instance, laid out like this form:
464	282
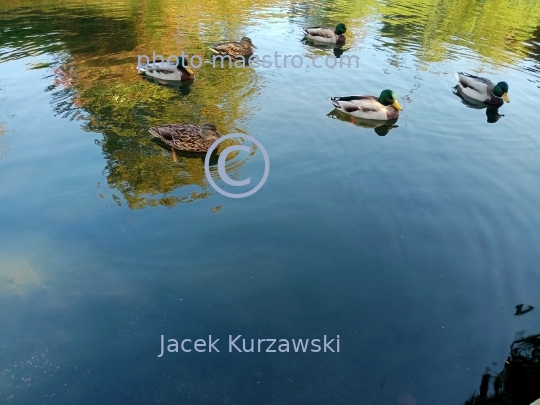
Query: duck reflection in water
492	111
184	87
381	128
337	49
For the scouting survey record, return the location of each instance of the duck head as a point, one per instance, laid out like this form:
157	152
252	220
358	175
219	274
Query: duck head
209	132
340	29
501	91
246	43
184	65
388	97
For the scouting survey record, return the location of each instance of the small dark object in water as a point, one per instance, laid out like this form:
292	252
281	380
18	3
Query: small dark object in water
522	311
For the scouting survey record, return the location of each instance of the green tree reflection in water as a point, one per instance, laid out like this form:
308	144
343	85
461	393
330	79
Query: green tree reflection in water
96	81
494	30
93	47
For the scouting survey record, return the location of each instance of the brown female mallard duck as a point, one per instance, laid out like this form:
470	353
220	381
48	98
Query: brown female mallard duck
187	137
234	49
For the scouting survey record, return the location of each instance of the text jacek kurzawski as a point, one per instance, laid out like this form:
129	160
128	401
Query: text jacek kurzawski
238	344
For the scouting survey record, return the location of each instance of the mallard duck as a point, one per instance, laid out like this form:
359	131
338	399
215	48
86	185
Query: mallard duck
180	72
234	49
187	137
481	89
327	35
384	108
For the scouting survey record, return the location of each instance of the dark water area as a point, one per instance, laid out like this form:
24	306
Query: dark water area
414	242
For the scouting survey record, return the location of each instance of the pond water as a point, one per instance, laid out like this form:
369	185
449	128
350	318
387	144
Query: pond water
413	243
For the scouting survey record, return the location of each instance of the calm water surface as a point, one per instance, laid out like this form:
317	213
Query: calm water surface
413	247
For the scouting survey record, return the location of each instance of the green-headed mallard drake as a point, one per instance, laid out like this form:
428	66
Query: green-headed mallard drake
234	49
481	89
187	137
385	107
327	35
180	72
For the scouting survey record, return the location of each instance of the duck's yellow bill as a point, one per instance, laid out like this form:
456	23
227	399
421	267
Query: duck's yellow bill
397	106
190	71
505	98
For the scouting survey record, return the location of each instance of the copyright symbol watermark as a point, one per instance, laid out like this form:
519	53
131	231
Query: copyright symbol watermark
221	166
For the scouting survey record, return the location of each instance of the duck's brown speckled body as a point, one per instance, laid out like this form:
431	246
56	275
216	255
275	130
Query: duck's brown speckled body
234	49
187	137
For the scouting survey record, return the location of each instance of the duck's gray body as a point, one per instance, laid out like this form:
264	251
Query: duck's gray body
477	88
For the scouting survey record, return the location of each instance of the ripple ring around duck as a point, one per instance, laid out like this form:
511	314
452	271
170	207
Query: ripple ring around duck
221	166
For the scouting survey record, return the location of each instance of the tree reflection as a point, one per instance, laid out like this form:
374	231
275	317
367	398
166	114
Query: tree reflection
96	81
92	46
439	28
519	381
